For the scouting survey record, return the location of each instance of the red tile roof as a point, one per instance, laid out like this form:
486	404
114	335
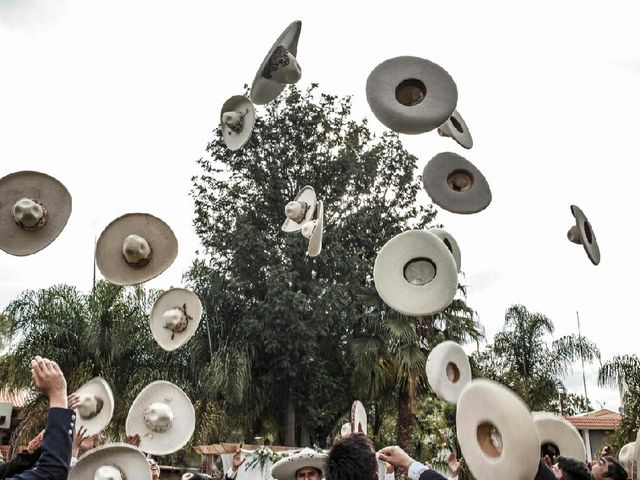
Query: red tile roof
18	398
599	420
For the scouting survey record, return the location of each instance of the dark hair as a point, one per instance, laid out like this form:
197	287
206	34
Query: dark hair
351	458
573	469
615	470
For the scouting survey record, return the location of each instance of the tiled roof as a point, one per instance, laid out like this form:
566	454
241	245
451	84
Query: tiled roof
220	448
599	420
18	398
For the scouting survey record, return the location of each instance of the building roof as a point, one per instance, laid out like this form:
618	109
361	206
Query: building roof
597	420
220	448
18	398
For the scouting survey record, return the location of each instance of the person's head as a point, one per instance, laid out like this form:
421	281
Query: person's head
608	467
308	473
570	469
155	468
352	458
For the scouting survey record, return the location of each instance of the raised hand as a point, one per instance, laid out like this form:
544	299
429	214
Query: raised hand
48	378
238	459
396	457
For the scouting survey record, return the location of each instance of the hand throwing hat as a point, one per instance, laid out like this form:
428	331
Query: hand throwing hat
95	410
313	230
34	209
411	95
300	210
457	129
455	184
496	432
163	416
559	432
415	273
358	418
286	468
582	233
279	68
134	248
175	317
116	461
237	118
450	243
448	370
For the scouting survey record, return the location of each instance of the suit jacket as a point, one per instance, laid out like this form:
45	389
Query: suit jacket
431	475
21	462
56	448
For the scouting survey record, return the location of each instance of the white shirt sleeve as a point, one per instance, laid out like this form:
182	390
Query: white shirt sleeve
415	470
73	461
231	473
390	476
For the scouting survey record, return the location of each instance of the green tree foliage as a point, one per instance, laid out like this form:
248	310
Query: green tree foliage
624	371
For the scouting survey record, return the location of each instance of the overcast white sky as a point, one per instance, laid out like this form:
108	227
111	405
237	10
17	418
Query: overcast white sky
118	99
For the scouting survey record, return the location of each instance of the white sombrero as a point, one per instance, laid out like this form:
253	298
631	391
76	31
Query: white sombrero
455	184
627	459
582	233
415	273
448	370
95	410
34	209
457	129
345	429
116	461
496	432
163	416
313	230
358	418
559	432
286	468
450	243
279	68
134	248
411	95
175	316
300	210
237	118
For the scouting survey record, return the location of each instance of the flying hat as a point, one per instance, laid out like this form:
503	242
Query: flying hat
134	248
34	209
496	432
95	409
300	210
358	418
286	468
559	432
279	68
175	316
626	456
582	233
455	184
237	118
163	416
450	243
115	461
448	370
345	429
415	274
313	230
457	129
411	95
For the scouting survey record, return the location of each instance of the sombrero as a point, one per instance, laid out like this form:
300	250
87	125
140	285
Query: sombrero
457	129
175	317
95	409
313	230
34	209
358	418
279	68
286	468
411	95
415	274
450	243
135	248
559	432
300	210
448	370
455	184
116	461
237	118
163	416
582	233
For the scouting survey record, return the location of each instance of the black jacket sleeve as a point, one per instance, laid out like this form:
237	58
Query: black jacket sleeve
56	448
21	462
431	475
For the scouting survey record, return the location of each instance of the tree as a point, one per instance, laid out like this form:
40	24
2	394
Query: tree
285	317
623	372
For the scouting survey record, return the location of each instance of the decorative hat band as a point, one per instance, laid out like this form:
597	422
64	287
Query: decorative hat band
29	214
136	251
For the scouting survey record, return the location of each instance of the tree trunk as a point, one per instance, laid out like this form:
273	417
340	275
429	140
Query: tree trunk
304	430
290	432
404	424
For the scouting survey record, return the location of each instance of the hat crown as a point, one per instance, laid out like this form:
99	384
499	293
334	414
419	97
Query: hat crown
308	228
282	67
28	213
89	405
136	249
174	318
296	210
158	417
232	119
109	472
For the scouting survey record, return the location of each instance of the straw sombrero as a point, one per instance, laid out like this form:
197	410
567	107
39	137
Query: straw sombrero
237	118
115	461
358	418
175	317
450	243
457	129
135	248
34	209
582	233
300	210
448	370
313	230
286	468
559	432
95	410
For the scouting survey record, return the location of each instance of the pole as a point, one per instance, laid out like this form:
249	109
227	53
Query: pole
584	380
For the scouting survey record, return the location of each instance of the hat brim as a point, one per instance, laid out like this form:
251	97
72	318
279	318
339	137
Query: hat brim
450	243
315	242
436	174
436	108
127	458
111	261
308	195
358	418
397	292
264	90
176	297
42	188
439	358
589	241
101	389
184	418
241	104
626	453
286	468
457	129
558	431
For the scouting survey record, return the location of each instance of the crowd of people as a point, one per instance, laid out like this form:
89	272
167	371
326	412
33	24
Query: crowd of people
54	452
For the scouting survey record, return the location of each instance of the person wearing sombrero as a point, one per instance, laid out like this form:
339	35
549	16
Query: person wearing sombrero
307	464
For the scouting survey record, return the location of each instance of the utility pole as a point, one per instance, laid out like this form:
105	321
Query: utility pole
584	380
